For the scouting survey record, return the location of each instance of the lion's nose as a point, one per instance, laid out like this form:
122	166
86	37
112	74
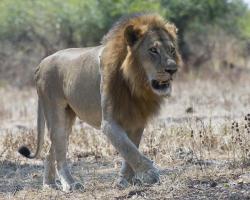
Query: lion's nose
171	67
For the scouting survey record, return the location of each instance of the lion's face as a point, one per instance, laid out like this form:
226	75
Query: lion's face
157	54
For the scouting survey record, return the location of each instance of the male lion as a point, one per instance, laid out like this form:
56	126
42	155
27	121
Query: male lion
117	86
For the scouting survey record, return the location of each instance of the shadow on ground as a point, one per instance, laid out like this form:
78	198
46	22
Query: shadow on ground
15	176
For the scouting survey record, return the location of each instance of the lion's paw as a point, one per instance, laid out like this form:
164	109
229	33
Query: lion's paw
148	177
76	186
122	183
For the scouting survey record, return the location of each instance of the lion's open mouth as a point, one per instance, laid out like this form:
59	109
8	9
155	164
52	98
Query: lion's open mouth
160	85
161	88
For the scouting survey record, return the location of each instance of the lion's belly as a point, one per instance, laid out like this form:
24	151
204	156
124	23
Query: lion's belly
85	100
82	88
87	105
88	110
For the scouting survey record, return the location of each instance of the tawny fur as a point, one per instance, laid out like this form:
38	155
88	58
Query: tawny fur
68	85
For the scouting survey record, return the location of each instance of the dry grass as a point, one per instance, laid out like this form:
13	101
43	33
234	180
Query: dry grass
200	143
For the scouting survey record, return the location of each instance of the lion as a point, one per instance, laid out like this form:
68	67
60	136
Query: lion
117	86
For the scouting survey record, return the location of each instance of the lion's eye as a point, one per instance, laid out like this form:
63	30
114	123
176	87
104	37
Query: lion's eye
153	50
172	50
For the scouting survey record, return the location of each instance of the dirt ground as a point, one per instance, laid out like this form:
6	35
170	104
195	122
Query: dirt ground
200	144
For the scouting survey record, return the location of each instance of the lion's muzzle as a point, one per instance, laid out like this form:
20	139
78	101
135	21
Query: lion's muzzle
171	67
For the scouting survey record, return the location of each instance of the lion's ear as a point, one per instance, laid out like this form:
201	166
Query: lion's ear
131	35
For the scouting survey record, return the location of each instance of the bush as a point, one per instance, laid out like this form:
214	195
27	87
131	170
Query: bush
31	30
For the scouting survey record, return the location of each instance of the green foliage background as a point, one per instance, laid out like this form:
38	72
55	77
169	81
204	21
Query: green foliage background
80	22
83	22
57	24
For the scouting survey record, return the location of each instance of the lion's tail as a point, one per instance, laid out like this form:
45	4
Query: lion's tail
40	134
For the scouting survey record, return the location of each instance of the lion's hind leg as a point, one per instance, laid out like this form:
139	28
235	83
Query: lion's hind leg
49	176
60	119
49	179
61	136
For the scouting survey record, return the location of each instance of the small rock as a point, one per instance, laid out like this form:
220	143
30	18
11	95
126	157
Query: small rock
213	184
190	110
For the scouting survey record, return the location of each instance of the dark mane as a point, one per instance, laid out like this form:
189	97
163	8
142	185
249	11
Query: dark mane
132	102
119	24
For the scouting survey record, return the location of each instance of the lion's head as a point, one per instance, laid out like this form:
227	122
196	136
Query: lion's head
151	50
141	55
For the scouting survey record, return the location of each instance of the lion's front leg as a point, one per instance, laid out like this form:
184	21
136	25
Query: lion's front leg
127	174
144	170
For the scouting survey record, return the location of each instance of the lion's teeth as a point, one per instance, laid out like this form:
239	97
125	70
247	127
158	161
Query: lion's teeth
163	82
